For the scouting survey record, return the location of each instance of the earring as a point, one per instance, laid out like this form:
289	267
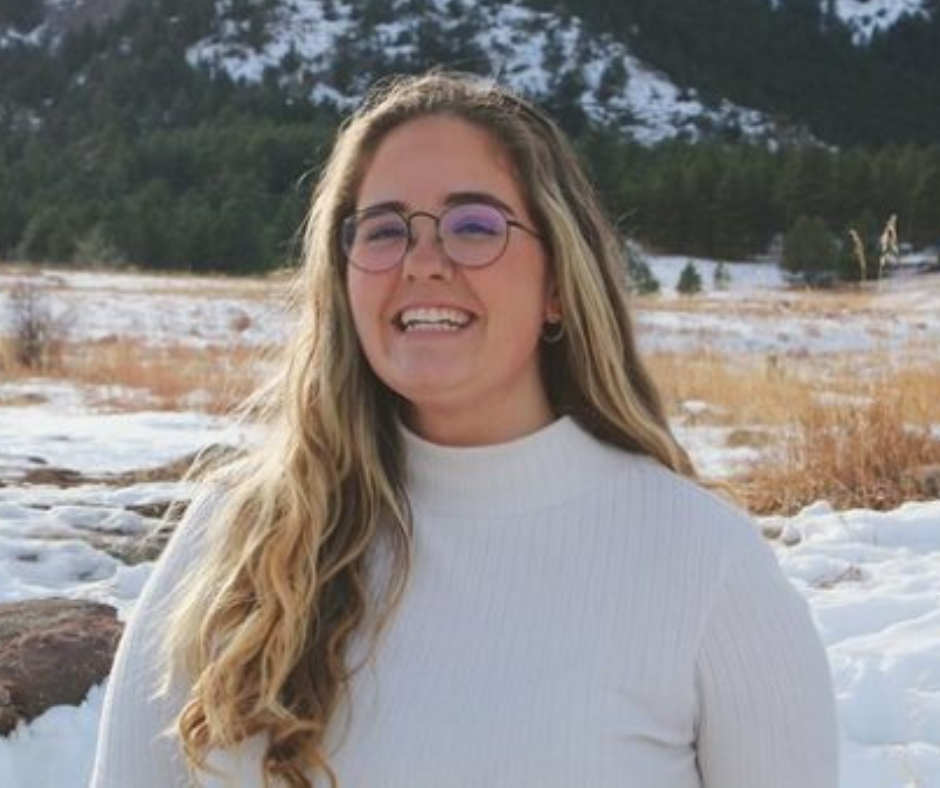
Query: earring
553	331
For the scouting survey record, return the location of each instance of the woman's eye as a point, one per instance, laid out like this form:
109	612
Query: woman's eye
475	228
383	232
477	221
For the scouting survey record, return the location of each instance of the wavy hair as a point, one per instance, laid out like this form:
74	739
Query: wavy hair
263	630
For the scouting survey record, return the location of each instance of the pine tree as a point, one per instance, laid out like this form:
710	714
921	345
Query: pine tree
640	276
809	251
690	281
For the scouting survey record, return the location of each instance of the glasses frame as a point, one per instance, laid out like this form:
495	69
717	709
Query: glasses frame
407	218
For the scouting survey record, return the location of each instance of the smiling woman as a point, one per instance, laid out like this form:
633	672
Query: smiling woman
470	551
453	325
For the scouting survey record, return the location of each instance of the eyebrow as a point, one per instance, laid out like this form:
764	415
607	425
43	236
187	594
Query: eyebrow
454	198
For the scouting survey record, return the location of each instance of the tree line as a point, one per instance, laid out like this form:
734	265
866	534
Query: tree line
113	149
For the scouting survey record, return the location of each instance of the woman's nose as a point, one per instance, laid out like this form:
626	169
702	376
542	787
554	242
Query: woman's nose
425	257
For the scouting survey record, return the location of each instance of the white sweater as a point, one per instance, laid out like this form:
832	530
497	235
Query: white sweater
576	616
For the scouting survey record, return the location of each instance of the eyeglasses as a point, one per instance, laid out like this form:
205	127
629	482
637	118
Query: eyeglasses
470	234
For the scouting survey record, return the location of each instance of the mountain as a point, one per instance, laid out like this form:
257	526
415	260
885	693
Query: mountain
46	22
855	72
328	51
840	71
175	133
869	18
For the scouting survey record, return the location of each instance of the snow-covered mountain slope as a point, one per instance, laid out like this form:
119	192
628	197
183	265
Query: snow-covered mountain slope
867	17
864	18
335	48
53	18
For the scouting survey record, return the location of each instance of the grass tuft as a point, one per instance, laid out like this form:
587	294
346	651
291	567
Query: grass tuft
870	456
826	427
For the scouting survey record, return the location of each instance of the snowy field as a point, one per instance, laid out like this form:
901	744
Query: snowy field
872	579
201	312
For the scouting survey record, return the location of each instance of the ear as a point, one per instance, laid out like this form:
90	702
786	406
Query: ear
552	302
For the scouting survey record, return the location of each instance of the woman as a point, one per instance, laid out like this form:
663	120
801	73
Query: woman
470	552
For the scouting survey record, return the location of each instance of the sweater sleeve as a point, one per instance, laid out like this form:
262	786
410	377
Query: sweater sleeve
766	710
134	748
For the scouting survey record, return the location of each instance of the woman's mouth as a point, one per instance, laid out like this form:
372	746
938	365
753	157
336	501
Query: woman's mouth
428	319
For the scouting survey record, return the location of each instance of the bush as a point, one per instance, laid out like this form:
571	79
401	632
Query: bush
690	281
809	252
640	276
36	334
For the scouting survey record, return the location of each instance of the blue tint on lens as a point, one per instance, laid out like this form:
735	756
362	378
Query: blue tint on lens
473	220
381	229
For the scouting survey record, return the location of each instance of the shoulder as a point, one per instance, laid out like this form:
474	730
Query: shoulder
196	524
685	511
186	548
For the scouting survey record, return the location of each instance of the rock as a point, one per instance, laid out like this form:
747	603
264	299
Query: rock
59	477
170	472
131	550
926	478
52	651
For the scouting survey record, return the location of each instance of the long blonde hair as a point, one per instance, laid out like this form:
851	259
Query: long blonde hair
262	629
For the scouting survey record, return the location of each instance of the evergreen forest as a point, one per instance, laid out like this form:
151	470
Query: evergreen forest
113	149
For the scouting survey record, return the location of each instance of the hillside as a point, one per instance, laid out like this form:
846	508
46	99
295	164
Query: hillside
174	133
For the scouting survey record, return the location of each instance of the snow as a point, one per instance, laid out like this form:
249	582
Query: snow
867	17
69	732
529	50
40	435
756	314
299	27
45	34
759	314
871	579
190	310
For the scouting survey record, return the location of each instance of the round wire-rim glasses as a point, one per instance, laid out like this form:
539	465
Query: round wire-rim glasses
473	234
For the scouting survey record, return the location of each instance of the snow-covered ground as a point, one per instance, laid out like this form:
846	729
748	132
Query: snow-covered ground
755	314
872	579
196	311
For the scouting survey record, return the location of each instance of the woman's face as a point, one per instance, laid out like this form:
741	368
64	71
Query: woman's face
480	382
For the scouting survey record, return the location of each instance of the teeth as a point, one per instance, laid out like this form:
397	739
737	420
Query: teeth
433	319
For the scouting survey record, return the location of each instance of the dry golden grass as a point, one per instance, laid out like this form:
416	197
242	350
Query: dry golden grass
853	429
850	300
854	457
8	361
133	374
273	285
760	390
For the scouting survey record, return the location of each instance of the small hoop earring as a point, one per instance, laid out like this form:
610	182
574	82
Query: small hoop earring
553	332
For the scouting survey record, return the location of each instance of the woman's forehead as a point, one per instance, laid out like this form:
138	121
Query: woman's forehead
431	157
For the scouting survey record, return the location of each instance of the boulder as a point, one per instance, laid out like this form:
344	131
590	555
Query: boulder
52	651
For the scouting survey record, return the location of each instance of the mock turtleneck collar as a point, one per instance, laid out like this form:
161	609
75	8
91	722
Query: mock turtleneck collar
543	468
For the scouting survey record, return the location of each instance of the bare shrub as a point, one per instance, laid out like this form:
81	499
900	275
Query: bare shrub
36	335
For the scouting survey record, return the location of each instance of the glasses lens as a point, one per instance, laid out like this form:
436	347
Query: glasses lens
375	241
473	234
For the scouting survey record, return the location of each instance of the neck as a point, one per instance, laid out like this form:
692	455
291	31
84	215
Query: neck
478	425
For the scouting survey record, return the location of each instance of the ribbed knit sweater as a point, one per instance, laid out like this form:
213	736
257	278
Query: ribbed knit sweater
576	616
